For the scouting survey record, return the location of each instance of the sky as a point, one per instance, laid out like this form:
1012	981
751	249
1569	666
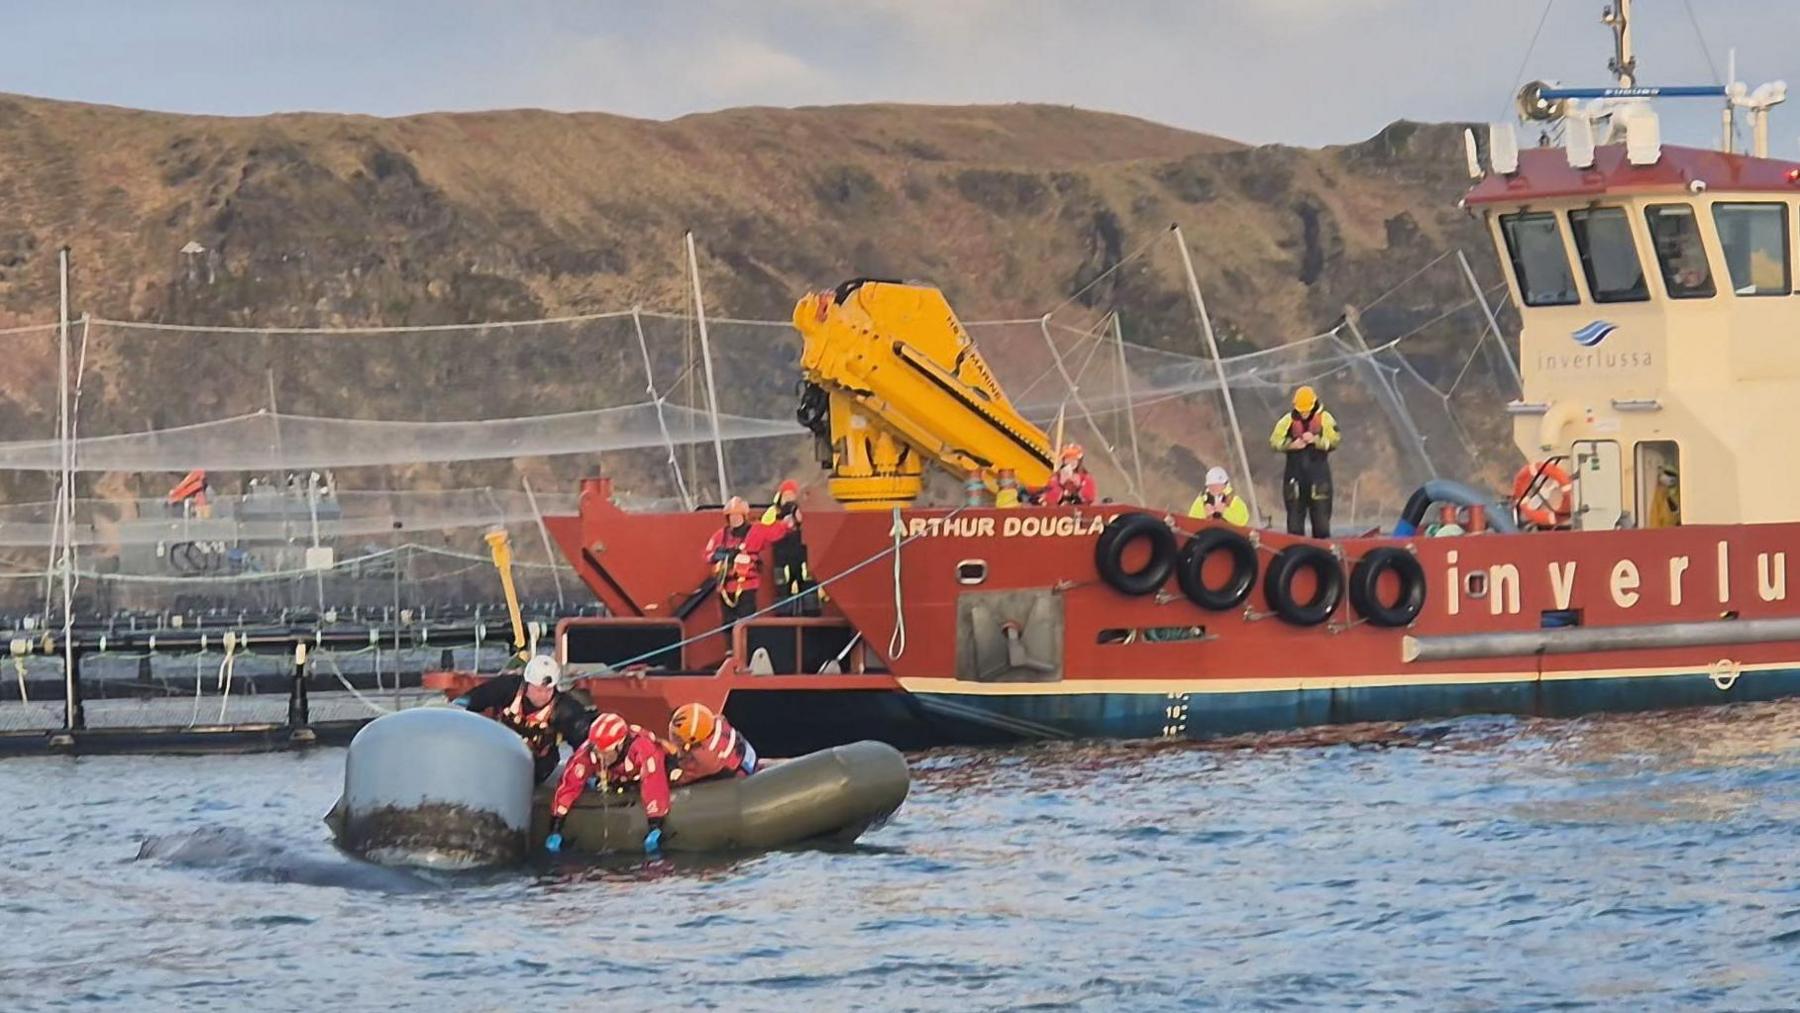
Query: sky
1293	71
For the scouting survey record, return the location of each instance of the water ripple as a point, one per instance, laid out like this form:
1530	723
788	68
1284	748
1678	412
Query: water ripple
1628	862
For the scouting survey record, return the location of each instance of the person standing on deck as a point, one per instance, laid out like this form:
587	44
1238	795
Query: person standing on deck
1073	484
735	554
1307	436
1219	501
793	578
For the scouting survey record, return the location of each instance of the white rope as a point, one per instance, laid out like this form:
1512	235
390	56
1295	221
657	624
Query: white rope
360	698
408	329
897	640
227	669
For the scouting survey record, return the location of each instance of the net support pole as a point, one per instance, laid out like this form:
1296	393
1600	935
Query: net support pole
1137	459
72	716
662	423
1075	395
712	393
1493	322
1212	348
544	533
1390	398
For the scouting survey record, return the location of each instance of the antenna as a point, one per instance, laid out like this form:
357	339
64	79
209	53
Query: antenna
1624	62
1503	148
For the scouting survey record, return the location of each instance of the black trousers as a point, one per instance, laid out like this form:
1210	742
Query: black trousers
1308	500
732	611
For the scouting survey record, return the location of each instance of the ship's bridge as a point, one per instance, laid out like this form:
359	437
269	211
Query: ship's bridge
1661	337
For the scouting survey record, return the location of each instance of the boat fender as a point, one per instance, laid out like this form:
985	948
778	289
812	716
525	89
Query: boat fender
1109	553
1365	587
1190	569
1278	584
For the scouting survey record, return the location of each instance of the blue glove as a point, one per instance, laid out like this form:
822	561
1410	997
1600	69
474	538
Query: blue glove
461	701
553	843
653	841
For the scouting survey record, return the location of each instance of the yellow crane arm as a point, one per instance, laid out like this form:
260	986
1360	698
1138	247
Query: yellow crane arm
895	381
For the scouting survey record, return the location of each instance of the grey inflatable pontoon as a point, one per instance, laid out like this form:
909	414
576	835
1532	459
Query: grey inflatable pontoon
834	794
442	788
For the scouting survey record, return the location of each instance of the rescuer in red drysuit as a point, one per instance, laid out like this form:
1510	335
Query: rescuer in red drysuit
706	746
616	752
735	554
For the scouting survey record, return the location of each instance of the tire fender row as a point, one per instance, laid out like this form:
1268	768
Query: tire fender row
1187	562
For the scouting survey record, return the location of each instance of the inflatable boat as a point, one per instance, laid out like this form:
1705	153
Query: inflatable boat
441	788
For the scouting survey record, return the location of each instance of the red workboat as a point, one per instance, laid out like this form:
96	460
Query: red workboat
1648	568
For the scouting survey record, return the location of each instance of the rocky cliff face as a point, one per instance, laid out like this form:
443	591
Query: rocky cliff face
309	220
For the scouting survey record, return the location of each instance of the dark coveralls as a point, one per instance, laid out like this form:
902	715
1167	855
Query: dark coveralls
503	698
792	576
1306	484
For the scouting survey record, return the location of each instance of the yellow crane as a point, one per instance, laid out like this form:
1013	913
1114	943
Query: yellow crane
893	381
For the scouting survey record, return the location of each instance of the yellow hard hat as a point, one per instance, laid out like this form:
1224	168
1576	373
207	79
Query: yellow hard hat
691	724
1305	399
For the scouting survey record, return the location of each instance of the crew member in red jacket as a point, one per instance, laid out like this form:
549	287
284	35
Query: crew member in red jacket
616	752
706	746
735	554
1073	484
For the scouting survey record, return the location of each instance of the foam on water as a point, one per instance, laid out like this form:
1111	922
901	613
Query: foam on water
1642	862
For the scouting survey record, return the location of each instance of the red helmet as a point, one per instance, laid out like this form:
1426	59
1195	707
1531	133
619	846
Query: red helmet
787	485
607	731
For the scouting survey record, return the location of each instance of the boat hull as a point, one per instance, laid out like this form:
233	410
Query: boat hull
1552	624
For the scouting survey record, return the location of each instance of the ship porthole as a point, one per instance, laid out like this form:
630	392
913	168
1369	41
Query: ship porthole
1366	587
971	571
1115	543
1190	569
1285	570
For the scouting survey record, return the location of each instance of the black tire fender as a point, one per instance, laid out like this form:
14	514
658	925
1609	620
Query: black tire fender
1190	569
1278	584
1365	584
1109	553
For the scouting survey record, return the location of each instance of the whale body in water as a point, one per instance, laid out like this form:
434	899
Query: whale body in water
237	855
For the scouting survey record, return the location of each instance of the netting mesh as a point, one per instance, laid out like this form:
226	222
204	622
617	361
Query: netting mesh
396	448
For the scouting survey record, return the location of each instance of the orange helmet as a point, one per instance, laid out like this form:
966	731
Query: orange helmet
691	724
607	732
735	506
1072	452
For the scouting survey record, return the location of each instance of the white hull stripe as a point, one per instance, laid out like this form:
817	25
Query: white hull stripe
1164	687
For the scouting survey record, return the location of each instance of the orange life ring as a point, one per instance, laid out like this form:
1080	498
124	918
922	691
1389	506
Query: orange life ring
1543	495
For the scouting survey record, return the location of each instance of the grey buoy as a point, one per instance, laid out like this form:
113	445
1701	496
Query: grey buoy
435	787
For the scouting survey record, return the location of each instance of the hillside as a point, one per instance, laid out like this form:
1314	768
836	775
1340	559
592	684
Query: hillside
329	220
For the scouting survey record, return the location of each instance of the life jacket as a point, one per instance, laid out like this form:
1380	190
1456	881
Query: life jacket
723	750
534	725
743	571
1299	425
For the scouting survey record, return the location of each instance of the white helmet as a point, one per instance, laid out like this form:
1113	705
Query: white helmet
542	670
1217	476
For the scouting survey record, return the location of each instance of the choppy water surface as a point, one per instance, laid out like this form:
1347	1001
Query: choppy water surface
1627	863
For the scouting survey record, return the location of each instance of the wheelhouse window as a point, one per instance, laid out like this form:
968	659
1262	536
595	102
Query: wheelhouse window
1675	232
1534	243
1755	241
1609	257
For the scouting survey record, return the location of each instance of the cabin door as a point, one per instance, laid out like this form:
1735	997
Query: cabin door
1599	485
